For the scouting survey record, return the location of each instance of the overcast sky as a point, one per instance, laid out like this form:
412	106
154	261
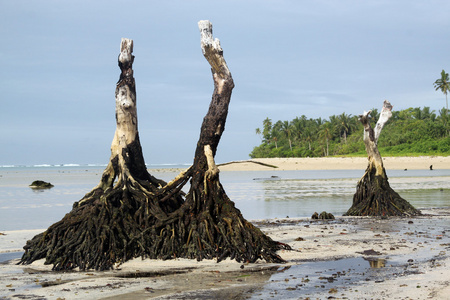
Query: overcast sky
288	58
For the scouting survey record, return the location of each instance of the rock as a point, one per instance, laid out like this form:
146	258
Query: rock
370	252
326	216
39	184
323	216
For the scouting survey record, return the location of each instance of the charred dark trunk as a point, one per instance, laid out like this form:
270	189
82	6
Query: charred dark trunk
208	225
132	214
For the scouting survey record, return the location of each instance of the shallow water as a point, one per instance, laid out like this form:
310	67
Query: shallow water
301	193
323	279
331	278
7	256
258	194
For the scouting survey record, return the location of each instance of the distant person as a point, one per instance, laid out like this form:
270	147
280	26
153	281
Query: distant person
431	167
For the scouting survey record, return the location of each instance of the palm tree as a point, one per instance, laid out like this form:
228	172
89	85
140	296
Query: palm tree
443	84
267	128
298	125
418	114
326	132
444	117
274	136
275	133
345	125
286	129
258	132
307	136
428	113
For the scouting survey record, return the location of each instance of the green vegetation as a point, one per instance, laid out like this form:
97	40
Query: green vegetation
443	84
413	131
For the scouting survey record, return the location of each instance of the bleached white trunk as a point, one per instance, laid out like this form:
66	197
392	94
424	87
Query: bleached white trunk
126	119
371	136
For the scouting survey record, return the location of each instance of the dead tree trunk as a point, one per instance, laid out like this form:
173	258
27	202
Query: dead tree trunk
106	226
132	214
374	196
216	227
208	225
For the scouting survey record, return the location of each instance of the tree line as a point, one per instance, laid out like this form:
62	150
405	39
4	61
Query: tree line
413	131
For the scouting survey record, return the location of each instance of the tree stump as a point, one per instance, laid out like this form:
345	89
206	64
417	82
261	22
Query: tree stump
132	214
214	226
107	225
374	196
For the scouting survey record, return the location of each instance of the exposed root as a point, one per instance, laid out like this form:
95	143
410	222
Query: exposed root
133	214
375	197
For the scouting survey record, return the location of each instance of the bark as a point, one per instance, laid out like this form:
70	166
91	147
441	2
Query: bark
132	214
108	226
374	196
209	224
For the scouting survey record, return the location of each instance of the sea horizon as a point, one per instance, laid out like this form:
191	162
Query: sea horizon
90	165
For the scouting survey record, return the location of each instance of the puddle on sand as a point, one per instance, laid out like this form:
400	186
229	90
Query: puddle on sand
7	256
328	277
376	263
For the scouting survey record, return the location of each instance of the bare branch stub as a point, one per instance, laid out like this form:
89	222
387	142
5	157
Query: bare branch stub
385	115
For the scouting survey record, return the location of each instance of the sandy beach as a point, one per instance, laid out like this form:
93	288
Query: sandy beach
345	258
339	163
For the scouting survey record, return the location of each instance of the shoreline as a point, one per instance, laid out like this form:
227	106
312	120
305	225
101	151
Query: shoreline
344	258
281	163
338	163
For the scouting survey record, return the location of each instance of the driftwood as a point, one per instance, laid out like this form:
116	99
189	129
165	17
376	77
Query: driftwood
132	214
247	161
374	196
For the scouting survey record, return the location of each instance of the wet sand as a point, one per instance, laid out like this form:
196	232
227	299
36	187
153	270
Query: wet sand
346	258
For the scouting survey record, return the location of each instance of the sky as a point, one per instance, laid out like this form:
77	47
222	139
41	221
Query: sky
287	58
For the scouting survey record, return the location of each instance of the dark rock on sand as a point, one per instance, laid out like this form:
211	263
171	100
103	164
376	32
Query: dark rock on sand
323	216
39	184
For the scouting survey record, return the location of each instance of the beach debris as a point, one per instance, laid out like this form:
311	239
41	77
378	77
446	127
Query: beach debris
247	161
374	196
369	252
131	214
39	184
323	216
273	177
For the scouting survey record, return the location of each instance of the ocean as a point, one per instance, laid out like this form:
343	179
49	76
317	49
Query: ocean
258	194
